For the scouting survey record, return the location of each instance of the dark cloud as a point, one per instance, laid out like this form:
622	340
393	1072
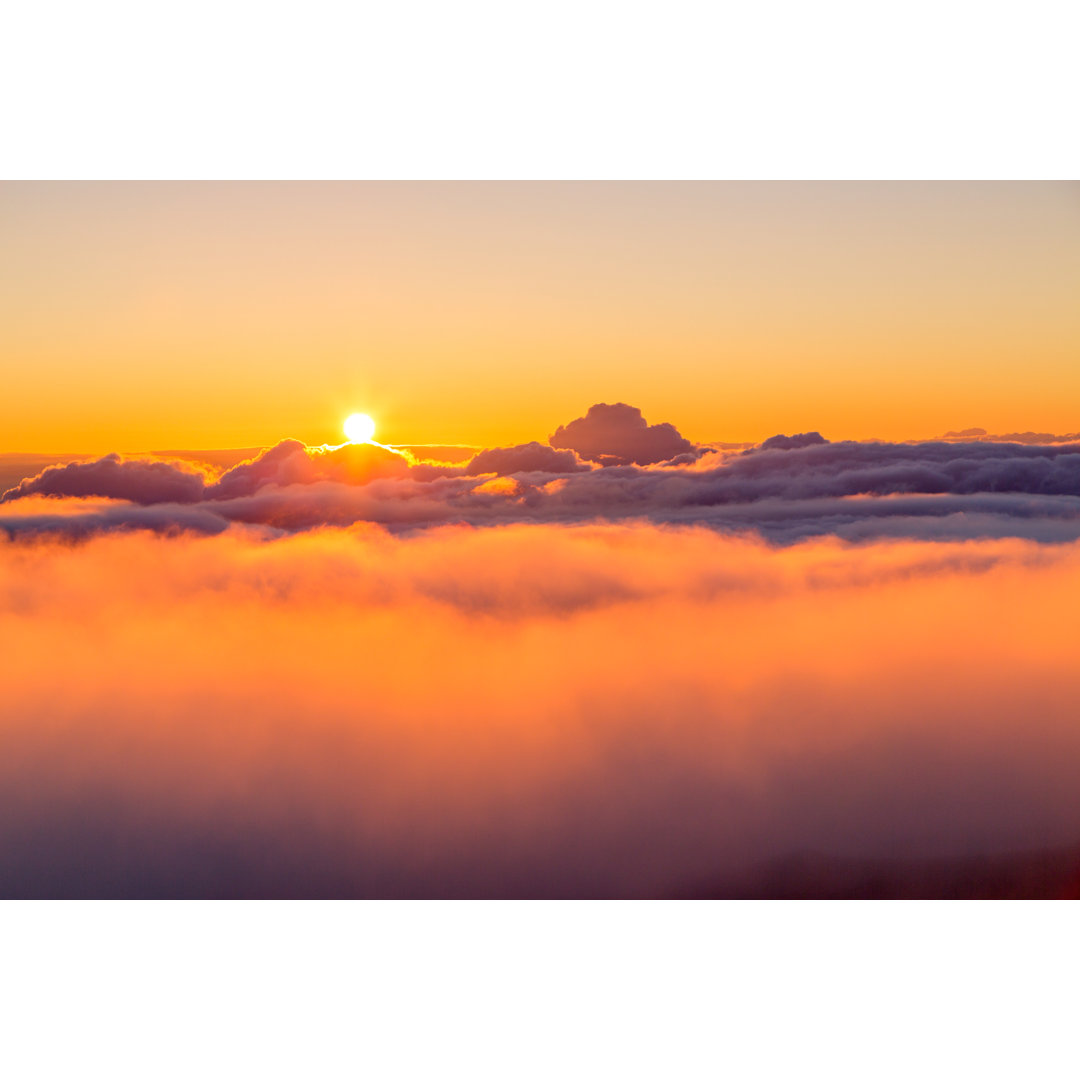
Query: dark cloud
528	457
618	435
139	481
793	442
81	523
410	504
850	468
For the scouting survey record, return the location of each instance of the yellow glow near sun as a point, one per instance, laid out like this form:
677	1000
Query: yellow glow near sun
359	428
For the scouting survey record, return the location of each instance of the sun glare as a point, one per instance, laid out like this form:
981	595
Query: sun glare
359	428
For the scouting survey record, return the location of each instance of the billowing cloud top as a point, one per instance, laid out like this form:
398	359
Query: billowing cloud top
141	482
618	435
528	457
146	482
793	442
617	468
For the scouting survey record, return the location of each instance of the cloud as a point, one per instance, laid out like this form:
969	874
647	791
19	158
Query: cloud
291	462
851	468
618	435
793	442
440	453
528	457
410	505
1030	438
344	671
150	481
597	710
137	480
786	489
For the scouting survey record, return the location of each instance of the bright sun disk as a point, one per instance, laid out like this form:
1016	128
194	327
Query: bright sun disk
359	428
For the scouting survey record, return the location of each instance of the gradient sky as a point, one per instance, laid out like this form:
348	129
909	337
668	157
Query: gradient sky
138	316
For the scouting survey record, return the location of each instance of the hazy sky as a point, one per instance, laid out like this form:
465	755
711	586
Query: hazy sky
151	316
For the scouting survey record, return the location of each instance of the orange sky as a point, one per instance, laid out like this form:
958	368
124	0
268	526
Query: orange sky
153	316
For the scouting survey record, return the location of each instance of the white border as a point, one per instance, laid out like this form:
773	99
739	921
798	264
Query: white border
539	989
582	89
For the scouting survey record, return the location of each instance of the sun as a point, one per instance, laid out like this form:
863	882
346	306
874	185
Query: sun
359	428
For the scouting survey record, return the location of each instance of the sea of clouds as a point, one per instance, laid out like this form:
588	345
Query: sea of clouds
574	669
608	465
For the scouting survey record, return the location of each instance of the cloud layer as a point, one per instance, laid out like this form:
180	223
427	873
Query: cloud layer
602	710
788	488
656	667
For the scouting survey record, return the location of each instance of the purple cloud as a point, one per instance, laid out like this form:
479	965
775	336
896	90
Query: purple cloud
112	477
618	435
528	457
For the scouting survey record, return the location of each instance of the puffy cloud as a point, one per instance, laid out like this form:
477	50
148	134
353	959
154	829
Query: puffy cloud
618	435
141	481
784	491
291	462
149	481
850	468
613	710
286	463
528	457
793	442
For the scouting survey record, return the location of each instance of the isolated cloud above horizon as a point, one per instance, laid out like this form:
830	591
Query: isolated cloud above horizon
787	488
793	442
619	435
